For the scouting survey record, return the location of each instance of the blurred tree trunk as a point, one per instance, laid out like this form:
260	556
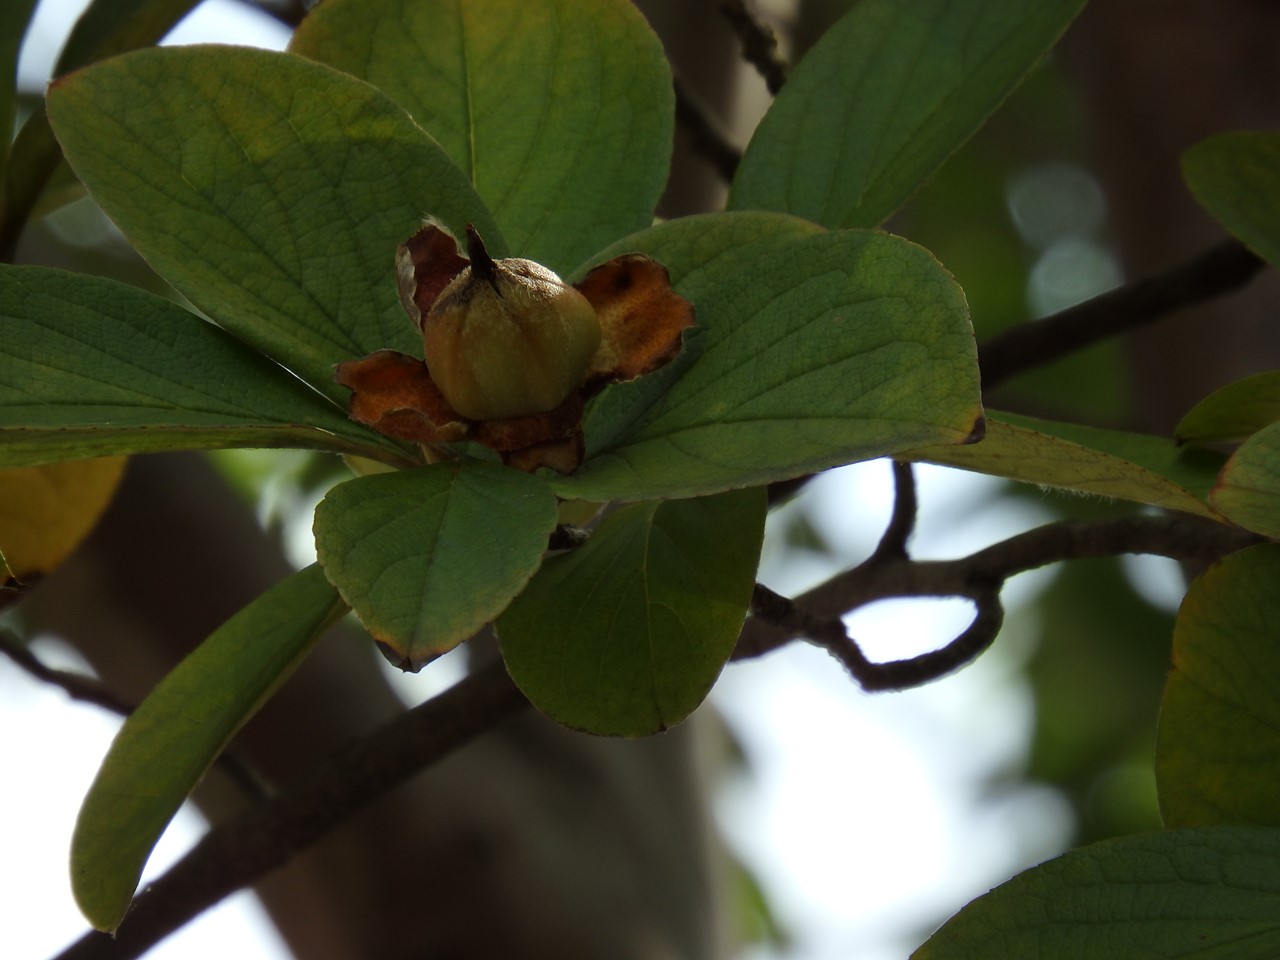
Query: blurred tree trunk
1156	78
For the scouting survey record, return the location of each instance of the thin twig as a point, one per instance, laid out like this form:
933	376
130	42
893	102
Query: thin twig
87	690
759	44
1177	536
902	522
237	853
832	635
75	685
1217	271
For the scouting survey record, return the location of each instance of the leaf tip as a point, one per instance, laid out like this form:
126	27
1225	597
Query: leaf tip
401	660
978	431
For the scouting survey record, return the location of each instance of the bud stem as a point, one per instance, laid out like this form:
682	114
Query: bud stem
482	265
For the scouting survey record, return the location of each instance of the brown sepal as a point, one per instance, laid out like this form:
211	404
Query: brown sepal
641	316
426	263
563	456
393	393
515	433
552	439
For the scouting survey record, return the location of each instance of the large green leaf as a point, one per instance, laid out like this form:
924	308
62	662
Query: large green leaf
1248	489
270	190
1205	894
1234	412
167	744
812	350
1218	749
1236	176
625	635
1107	463
90	367
560	111
428	557
889	93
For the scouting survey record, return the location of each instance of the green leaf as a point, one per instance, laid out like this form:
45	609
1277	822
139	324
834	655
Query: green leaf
812	350
1233	412
560	111
1218	748
888	93
1205	894
271	191
1107	463
15	16
686	246
428	557
104	29
625	635
1248	489
1236	177
168	743
90	367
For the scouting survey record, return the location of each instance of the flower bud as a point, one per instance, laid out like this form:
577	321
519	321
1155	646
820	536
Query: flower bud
508	338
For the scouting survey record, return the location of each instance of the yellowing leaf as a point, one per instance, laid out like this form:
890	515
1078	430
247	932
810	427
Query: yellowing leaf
1109	463
46	511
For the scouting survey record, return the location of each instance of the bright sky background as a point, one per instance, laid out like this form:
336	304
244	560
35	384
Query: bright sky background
863	818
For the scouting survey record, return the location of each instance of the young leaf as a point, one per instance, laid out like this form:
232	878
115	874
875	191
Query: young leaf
46	511
1218	748
1248	489
1193	894
1236	177
428	557
891	91
271	191
559	111
1107	463
1234	412
812	350
168	743
625	635
90	367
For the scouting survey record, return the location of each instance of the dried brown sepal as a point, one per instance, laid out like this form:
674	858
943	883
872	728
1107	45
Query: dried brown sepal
515	433
425	264
552	439
641	317
563	456
393	393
